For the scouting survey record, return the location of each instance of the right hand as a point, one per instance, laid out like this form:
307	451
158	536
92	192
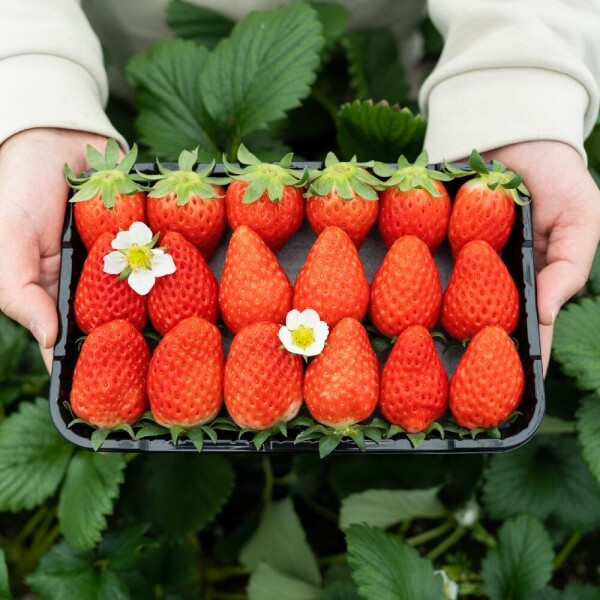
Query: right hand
33	197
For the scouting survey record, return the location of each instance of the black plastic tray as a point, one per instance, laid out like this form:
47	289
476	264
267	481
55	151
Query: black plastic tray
517	255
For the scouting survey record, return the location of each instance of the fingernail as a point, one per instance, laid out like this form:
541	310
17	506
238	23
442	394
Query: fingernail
557	308
39	333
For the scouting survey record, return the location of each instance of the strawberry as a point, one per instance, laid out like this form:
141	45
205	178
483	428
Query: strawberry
189	202
253	287
185	378
192	290
100	297
484	206
488	382
343	194
414	384
266	197
109	380
414	202
406	288
108	199
341	385
480	292
332	280
263	382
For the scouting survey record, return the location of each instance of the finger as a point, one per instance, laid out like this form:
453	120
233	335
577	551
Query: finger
546	332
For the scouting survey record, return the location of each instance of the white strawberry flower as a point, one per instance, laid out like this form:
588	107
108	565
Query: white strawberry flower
304	333
450	587
135	259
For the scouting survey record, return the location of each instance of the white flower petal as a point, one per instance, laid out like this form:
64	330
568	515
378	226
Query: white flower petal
140	233
114	263
122	240
141	281
310	318
285	335
162	264
321	330
315	348
293	319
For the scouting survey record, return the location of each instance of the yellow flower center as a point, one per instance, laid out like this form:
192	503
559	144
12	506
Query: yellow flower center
303	336
138	257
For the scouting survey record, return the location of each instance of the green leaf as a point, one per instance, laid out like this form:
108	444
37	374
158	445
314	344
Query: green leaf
385	568
573	591
281	542
588	433
33	457
4	584
265	68
522	562
156	491
374	66
334	19
201	25
383	508
378	131
171	113
340	590
121	545
13	343
87	496
267	583
64	573
552	481
594	278
576	343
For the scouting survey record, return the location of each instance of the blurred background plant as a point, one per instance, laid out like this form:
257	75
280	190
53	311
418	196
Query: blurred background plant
75	525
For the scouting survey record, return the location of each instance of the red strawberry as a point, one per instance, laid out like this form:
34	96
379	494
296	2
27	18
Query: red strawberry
189	202
109	381
406	288
185	378
415	202
107	199
266	197
332	280
192	290
341	385
253	287
263	382
414	384
488	382
484	206
101	297
343	194
480	292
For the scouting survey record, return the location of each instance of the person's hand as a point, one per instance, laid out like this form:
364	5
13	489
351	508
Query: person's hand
566	222
33	197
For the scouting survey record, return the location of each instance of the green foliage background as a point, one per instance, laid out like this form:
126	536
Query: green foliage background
81	525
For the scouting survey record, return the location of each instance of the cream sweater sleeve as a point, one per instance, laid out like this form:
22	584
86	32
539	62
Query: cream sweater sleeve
512	71
51	69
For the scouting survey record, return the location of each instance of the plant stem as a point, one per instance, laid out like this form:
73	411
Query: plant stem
236	140
562	556
320	510
228	596
430	534
447	543
334	559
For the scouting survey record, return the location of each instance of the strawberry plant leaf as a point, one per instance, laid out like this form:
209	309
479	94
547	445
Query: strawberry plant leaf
197	23
594	278
31	475
65	573
379	131
576	343
553	482
263	69
267	583
588	433
573	591
334	20
386	568
522	562
280	542
4	585
384	508
91	485
171	113
340	590
376	72
154	491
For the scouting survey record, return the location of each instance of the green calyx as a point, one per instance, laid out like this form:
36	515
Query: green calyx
412	176
265	177
184	182
498	177
347	178
109	177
